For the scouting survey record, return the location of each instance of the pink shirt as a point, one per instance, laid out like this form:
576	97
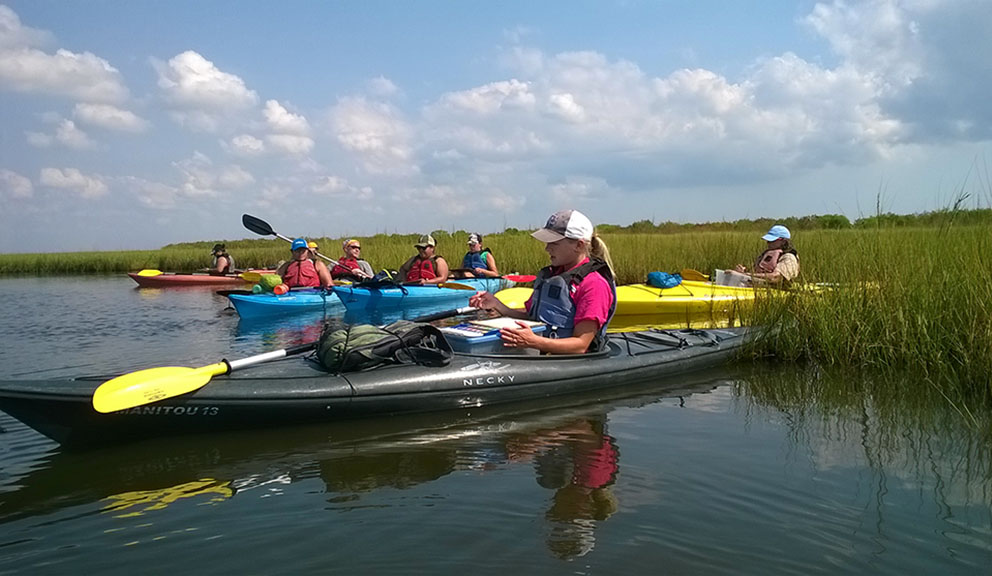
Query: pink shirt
592	296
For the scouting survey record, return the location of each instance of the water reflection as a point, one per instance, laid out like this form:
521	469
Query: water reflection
897	432
579	461
566	445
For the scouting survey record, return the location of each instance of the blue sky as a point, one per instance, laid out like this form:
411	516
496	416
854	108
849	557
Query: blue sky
136	124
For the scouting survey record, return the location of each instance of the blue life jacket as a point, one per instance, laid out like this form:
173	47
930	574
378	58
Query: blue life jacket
473	260
552	301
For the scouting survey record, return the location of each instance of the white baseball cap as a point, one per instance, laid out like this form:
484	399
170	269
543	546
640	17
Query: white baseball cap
565	224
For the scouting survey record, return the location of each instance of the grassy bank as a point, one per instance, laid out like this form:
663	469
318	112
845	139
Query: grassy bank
918	299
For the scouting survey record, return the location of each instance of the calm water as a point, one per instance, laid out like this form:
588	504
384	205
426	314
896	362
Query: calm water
746	470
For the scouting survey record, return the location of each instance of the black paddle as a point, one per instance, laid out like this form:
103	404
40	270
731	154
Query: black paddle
262	228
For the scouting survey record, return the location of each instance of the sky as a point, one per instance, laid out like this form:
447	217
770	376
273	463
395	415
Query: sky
135	124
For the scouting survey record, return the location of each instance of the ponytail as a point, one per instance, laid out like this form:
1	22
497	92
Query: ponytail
599	250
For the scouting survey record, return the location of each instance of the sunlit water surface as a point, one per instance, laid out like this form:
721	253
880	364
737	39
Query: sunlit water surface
744	470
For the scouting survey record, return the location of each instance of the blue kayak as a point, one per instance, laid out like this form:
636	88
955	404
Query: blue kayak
377	297
293	302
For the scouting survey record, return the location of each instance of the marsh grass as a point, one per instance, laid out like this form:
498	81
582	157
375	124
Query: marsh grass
909	299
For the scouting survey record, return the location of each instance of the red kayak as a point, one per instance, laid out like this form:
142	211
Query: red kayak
168	279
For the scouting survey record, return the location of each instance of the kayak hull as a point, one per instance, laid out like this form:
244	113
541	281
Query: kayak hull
297	390
268	305
360	298
169	279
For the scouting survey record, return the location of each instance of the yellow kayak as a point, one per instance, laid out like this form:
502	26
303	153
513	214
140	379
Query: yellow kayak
691	303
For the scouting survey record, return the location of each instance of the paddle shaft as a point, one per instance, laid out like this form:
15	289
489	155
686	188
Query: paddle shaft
154	384
276	354
262	228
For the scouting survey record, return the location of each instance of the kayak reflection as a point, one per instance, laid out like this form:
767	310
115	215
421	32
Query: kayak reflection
567	445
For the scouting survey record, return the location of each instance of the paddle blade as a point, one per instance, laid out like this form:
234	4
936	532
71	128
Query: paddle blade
520	277
147	272
151	385
257	225
456	286
251	277
514	297
695	275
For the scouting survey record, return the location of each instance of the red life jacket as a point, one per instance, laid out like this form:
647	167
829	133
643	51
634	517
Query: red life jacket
421	270
345	266
767	261
301	273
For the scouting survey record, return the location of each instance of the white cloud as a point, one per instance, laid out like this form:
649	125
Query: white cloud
109	118
283	121
376	132
336	187
382	87
13	34
72	179
246	145
13	186
39	139
154	195
72	137
202	179
66	134
200	93
290	144
491	98
80	76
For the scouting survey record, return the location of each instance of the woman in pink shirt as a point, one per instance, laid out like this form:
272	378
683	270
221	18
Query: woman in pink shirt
575	296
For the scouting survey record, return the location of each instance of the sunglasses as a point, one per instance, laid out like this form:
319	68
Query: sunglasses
355	246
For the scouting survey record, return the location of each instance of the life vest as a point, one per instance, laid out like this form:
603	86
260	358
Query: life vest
473	260
769	259
301	273
552	301
421	269
230	264
344	267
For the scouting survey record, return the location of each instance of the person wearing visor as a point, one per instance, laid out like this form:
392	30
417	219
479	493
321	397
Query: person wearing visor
314	249
301	271
427	267
478	261
575	296
223	262
778	264
351	266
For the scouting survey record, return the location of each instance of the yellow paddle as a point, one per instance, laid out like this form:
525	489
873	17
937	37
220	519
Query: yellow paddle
154	384
147	272
456	286
696	275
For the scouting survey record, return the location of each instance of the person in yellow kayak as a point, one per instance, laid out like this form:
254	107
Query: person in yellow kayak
478	261
301	271
575	296
427	267
778	264
223	262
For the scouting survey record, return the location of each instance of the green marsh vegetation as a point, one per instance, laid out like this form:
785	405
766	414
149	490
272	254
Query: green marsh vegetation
913	296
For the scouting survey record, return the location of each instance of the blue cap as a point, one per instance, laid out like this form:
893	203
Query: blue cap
299	243
775	232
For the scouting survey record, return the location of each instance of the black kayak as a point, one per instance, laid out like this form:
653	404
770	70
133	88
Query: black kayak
297	390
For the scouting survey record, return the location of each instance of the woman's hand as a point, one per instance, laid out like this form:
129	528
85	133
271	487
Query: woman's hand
521	337
484	300
740	268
